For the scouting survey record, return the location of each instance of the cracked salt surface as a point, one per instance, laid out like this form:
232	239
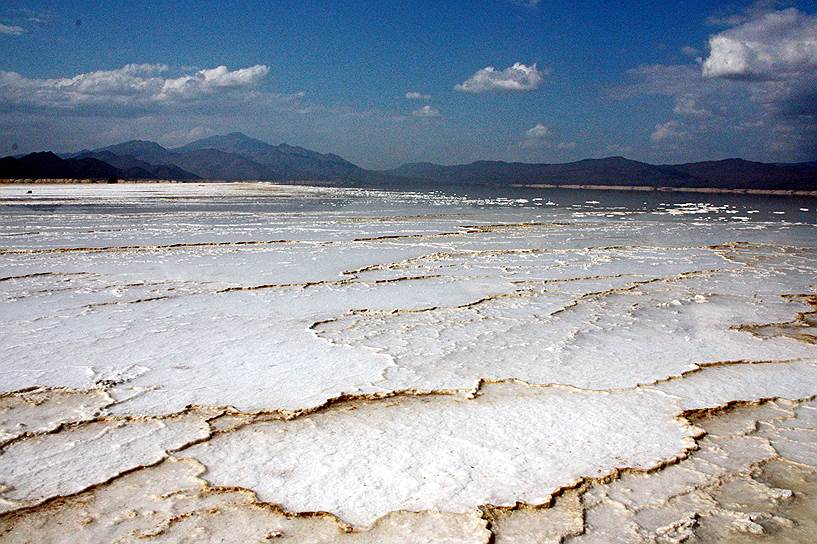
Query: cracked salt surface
258	305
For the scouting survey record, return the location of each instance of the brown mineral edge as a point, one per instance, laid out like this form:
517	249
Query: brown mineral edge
752	477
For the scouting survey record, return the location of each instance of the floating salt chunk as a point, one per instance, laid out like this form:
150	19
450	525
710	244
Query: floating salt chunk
803	209
779	213
700	299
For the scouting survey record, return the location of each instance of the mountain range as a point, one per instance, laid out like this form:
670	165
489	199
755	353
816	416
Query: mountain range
237	157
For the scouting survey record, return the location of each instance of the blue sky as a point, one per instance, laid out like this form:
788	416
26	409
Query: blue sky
661	82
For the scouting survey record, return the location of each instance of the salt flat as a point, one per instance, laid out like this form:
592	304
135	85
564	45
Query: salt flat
321	364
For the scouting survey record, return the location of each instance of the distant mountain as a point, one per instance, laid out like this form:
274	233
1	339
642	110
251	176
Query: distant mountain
150	152
283	161
238	157
217	164
129	165
725	174
742	173
609	171
46	165
234	142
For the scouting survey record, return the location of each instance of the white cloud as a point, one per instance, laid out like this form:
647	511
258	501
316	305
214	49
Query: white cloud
538	137
671	130
690	51
414	95
755	94
538	131
772	46
518	77
426	111
179	137
133	85
526	3
11	30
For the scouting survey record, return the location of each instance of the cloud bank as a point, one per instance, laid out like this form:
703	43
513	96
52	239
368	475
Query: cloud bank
519	77
131	86
756	87
414	95
778	45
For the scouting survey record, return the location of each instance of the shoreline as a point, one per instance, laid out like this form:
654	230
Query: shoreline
581	187
660	189
66	181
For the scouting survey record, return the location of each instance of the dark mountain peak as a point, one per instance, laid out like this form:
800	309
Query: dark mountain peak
259	160
726	162
143	150
45	164
41	156
232	142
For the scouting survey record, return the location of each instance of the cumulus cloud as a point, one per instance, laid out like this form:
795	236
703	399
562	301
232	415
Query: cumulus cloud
539	137
133	85
538	131
11	30
691	93
414	95
671	130
519	77
778	45
756	89
426	111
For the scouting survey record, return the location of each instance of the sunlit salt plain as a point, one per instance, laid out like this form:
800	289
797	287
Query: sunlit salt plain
250	362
